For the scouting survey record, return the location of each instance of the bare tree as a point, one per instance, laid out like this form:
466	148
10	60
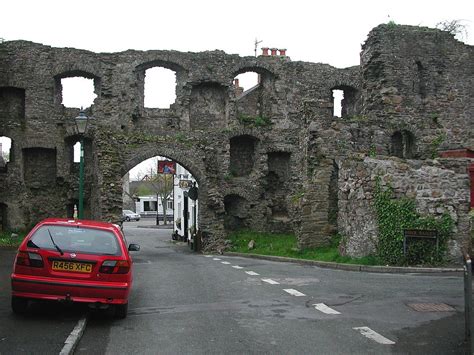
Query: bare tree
162	186
456	27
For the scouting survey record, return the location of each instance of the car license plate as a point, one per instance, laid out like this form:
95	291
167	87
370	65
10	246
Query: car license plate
71	266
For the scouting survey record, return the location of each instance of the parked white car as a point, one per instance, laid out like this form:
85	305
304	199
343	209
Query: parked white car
128	215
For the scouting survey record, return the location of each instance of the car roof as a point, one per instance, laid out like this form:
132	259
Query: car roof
78	223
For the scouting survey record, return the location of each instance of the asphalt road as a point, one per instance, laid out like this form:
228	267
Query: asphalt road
43	330
189	303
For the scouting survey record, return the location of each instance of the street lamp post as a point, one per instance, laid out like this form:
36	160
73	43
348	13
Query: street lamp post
81	122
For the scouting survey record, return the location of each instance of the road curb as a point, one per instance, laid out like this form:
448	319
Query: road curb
73	338
350	267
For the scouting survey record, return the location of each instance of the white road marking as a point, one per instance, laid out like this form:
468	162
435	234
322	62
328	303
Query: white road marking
271	282
73	338
369	333
294	292
225	262
253	273
325	309
216	259
208	256
237	267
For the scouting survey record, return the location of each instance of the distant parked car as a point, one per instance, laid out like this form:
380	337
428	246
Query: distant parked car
128	215
74	261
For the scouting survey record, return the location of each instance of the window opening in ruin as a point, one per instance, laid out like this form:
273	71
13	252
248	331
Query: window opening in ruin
421	76
242	155
77	152
160	88
39	167
245	82
403	144
12	103
78	92
345	101
338	96
236	212
5	151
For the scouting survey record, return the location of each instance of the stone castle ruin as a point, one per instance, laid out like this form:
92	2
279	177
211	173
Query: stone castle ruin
271	159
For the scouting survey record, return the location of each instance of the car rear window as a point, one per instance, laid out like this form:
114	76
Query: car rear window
75	239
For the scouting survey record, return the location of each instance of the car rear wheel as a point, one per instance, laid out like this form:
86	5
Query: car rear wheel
19	305
121	310
127	219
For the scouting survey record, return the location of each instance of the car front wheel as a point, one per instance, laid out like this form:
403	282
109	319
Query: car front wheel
19	305
121	310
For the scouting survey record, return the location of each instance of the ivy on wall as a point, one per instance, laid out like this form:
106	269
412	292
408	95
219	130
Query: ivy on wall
395	215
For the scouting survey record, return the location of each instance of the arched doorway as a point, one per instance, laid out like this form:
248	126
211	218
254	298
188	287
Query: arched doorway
160	192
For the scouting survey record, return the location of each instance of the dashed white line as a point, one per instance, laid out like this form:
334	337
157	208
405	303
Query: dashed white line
225	262
208	256
271	282
216	259
237	267
294	292
371	334
325	309
253	273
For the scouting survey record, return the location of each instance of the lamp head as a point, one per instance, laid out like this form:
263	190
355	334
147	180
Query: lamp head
81	122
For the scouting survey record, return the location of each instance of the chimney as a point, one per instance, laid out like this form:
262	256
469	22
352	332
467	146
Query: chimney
265	51
274	51
238	90
283	52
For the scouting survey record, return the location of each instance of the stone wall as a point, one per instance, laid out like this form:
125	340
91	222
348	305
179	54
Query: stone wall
411	95
437	186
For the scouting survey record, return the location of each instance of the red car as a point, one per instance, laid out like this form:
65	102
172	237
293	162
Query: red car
73	260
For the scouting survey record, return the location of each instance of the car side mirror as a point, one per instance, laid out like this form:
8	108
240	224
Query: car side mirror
134	247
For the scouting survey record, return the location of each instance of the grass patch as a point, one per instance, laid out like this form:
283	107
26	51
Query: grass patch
285	245
7	241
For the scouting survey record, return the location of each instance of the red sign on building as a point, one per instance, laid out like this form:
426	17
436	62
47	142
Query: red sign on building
166	167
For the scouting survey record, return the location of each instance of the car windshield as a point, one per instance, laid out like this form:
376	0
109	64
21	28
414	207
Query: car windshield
75	239
128	212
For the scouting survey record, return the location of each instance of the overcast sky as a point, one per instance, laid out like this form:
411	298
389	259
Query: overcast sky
315	31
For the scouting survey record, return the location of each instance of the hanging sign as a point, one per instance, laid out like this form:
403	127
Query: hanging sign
166	167
185	184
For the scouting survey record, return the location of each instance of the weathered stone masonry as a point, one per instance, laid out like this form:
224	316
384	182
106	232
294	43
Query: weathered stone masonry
410	97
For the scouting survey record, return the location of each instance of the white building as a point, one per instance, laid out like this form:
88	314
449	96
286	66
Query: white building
147	206
185	209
